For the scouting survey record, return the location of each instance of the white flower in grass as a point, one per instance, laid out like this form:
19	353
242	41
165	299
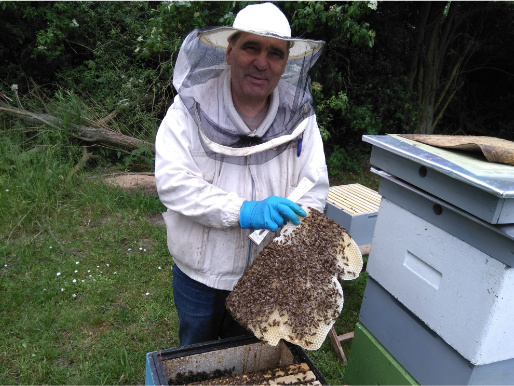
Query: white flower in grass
6	190
58	274
74	280
158	267
74	295
62	289
14	87
77	262
148	293
76	271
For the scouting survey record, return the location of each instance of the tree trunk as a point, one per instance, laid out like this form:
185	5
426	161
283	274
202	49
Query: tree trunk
434	72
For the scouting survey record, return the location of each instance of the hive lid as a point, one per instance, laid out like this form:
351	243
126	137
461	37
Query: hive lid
463	179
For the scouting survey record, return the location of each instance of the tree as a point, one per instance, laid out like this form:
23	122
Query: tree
447	35
388	67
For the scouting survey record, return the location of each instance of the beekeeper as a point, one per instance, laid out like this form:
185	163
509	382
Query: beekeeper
238	138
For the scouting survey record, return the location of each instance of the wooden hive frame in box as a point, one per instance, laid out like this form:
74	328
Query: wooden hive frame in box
355	208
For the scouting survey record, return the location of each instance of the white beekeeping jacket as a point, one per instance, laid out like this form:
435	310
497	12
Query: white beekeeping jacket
208	163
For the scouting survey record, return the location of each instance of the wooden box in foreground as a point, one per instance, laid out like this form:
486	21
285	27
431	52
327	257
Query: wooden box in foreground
242	360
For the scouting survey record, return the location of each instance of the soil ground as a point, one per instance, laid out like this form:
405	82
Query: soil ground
132	182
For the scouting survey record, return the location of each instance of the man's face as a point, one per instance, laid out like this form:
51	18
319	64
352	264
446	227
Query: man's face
257	63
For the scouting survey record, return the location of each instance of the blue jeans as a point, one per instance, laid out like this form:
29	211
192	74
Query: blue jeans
201	310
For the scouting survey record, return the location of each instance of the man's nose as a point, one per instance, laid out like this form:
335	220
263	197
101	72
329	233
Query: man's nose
261	62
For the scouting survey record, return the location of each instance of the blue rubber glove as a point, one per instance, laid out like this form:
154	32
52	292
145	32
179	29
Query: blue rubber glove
271	213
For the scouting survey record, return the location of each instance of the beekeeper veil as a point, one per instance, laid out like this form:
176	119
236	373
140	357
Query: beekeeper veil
202	79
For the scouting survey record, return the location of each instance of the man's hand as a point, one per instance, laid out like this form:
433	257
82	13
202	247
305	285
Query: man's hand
271	213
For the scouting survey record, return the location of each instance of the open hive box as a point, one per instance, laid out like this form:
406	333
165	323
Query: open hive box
241	360
289	298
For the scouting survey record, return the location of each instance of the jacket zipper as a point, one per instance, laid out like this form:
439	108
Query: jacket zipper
250	244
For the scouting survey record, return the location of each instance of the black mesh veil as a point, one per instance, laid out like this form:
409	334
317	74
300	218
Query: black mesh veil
202	79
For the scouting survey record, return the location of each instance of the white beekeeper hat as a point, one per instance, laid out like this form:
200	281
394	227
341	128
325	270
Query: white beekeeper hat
264	19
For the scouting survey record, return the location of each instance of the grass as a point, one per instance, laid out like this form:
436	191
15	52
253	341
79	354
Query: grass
85	278
86	290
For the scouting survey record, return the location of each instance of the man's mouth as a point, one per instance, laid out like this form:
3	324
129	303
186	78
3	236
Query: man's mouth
257	78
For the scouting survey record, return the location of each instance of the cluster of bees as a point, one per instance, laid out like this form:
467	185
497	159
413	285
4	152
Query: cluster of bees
292	282
295	373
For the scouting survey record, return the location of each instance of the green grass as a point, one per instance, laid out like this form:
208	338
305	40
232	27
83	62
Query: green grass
85	278
86	291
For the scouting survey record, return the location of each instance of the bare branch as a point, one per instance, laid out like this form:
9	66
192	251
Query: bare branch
84	133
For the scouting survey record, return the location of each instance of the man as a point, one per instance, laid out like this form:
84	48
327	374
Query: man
239	137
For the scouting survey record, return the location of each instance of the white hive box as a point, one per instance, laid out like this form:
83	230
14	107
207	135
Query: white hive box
420	351
449	268
354	207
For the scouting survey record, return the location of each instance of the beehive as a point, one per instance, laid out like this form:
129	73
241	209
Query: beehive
371	364
354	207
403	334
442	279
240	360
440	270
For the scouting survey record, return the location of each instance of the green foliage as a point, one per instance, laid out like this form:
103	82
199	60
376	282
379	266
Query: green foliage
92	48
143	155
327	107
363	120
339	162
171	22
345	18
69	108
121	56
343	117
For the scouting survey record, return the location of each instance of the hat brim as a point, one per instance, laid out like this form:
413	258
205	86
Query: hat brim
301	47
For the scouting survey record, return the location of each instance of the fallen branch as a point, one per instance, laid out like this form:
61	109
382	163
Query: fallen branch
84	133
86	156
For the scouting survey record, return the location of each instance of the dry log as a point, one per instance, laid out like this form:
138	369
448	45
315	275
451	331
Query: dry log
84	133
